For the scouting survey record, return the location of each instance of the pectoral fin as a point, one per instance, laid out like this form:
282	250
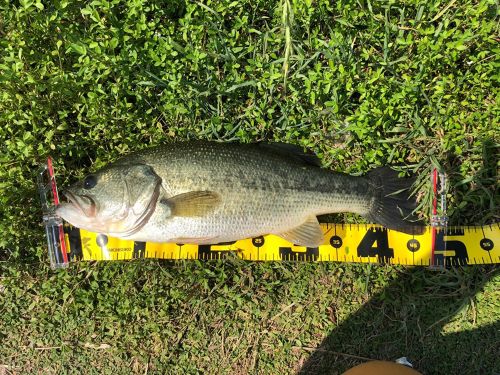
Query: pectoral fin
194	203
308	234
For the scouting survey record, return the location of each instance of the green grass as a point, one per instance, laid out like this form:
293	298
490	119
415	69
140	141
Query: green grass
362	84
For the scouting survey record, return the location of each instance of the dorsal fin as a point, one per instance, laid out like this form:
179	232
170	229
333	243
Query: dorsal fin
293	152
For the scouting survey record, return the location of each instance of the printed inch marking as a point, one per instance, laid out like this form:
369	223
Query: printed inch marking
382	251
336	242
218	251
139	250
184	251
258	241
442	257
311	254
413	245
486	244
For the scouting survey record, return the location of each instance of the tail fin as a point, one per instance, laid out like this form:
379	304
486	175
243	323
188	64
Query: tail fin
393	207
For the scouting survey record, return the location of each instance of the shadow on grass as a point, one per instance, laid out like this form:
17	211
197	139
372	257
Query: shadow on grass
407	319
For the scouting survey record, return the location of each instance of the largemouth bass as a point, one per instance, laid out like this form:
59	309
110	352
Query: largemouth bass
208	192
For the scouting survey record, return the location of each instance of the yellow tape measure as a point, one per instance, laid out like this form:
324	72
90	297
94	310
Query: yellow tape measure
357	243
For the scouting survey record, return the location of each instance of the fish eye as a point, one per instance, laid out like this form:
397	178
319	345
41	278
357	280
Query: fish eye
89	182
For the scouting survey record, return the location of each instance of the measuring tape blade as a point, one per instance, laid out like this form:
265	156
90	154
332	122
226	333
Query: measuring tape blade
353	243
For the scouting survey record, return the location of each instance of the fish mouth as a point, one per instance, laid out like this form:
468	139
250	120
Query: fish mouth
84	203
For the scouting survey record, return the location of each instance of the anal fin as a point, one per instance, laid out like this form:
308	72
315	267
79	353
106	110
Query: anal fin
308	234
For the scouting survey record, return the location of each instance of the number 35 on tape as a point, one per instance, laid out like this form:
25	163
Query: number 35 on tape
356	243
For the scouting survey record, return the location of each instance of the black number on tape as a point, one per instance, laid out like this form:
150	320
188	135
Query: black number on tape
336	242
368	248
258	241
413	245
486	244
458	247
